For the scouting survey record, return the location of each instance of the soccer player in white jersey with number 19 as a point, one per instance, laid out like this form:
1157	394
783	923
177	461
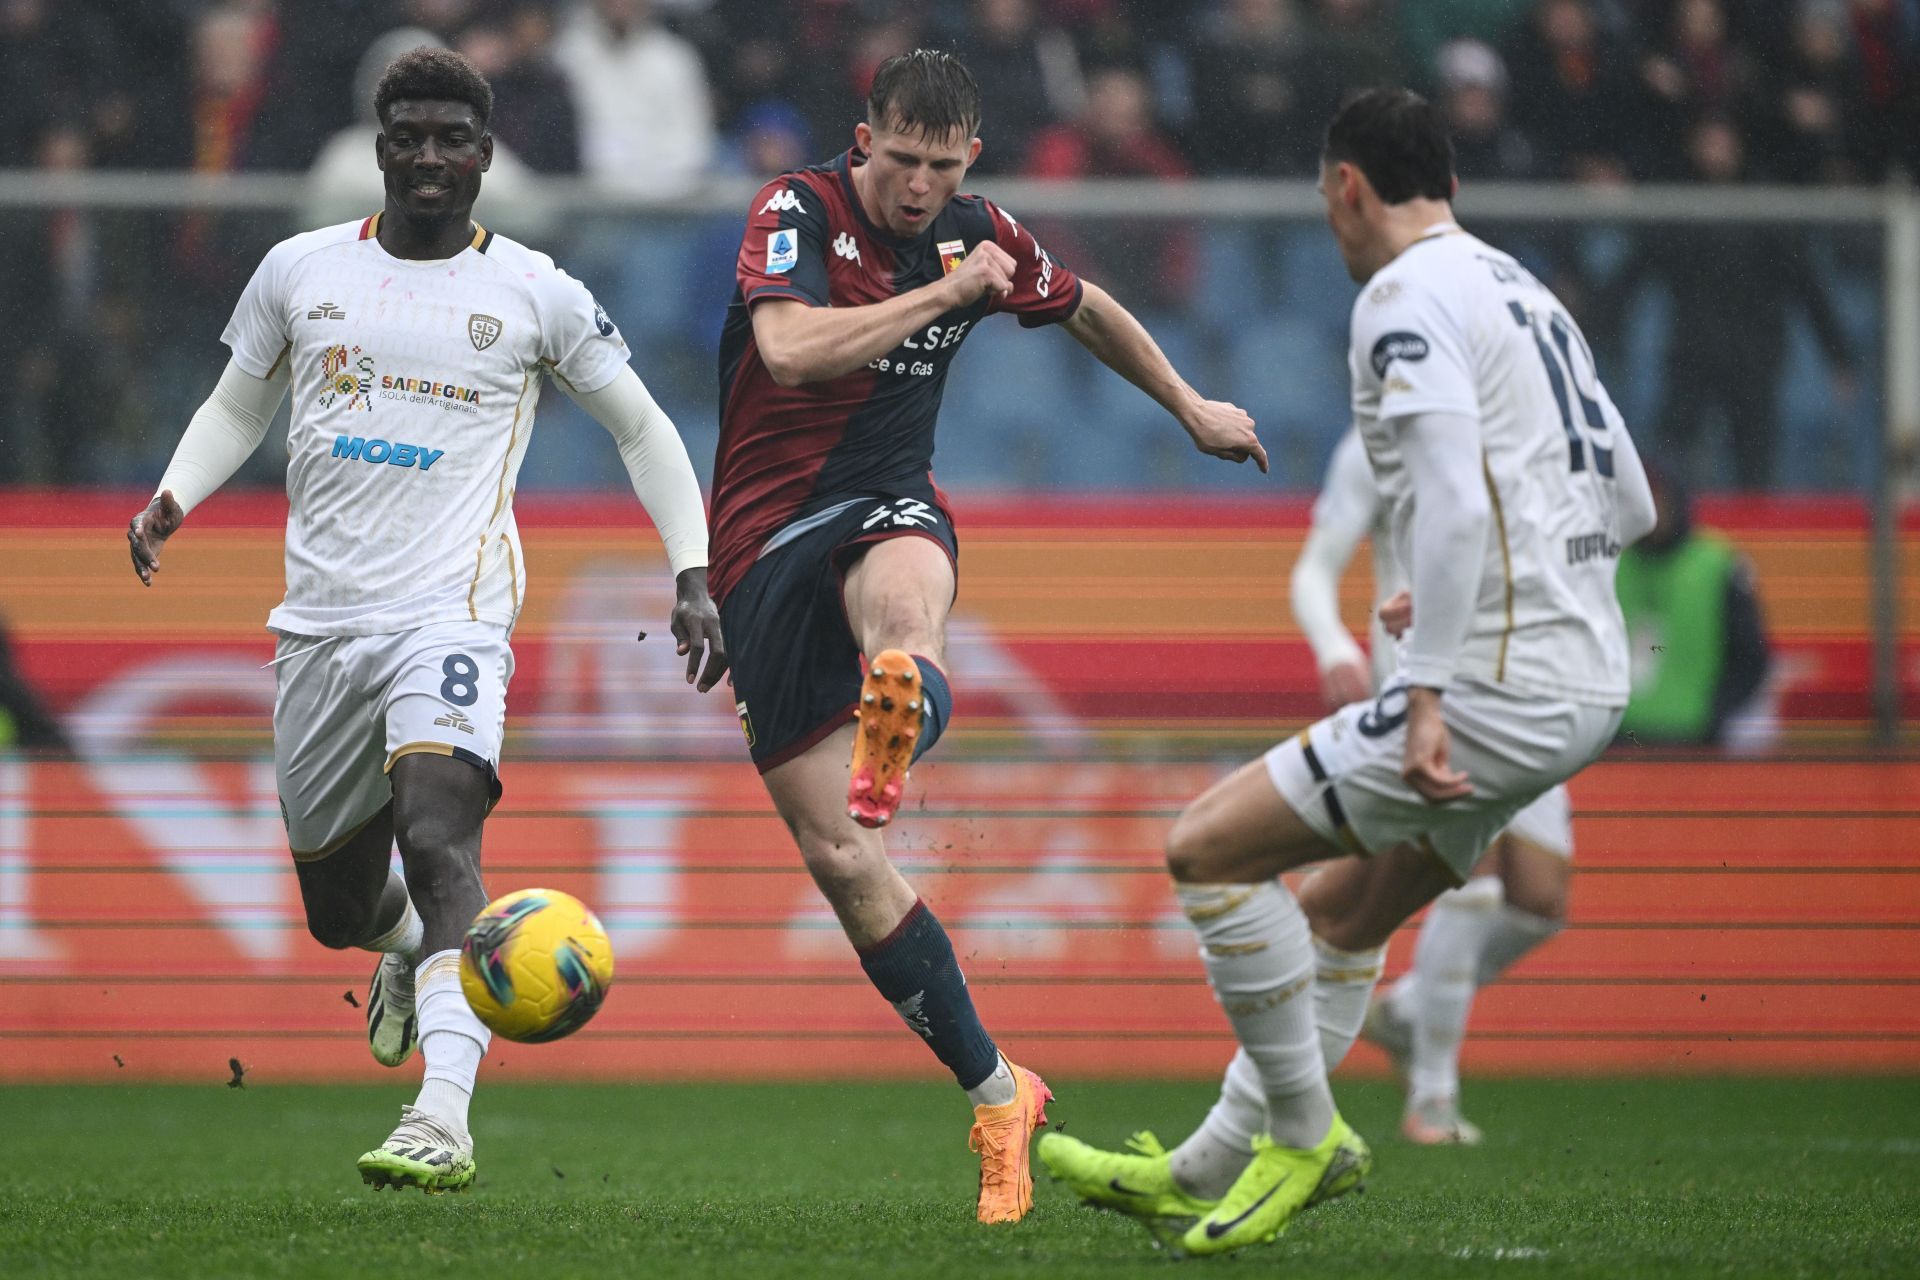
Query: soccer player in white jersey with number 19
415	344
1518	899
1511	484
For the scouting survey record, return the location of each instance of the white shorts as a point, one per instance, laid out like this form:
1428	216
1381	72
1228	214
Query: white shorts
1547	823
349	706
1342	775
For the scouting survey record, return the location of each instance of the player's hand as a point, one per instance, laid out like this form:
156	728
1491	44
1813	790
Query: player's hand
696	629
988	270
1223	430
1345	682
149	531
1396	614
1425	767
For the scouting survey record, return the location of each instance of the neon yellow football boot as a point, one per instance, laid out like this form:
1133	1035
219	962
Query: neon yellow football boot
1138	1183
421	1153
1279	1183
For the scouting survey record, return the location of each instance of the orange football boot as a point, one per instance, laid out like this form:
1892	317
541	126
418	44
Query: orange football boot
1001	1136
892	709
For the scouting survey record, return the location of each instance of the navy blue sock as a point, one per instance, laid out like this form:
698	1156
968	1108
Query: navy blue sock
915	969
938	696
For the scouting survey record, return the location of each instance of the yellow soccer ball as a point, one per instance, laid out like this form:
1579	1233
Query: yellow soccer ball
536	965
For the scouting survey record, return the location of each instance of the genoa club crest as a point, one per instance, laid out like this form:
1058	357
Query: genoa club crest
483	330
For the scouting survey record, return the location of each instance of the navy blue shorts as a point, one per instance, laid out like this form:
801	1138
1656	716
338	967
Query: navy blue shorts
796	664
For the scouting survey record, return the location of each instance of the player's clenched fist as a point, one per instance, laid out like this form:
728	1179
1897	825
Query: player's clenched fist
149	531
1223	430
987	270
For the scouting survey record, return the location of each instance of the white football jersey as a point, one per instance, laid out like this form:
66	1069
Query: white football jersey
1349	508
1455	326
414	386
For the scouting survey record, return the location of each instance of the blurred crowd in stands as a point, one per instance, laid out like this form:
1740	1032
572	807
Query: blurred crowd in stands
649	97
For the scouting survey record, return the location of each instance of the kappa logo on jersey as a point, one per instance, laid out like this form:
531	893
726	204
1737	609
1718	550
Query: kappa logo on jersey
783	201
326	311
358	449
783	252
346	375
602	321
952	254
483	330
846	248
903	513
1398	345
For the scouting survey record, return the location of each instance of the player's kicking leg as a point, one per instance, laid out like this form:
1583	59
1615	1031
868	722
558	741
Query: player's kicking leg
910	960
1471	936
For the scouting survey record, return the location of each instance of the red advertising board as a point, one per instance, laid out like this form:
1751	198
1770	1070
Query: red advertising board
1112	660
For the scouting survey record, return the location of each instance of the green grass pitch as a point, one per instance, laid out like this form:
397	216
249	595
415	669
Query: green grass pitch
1738	1178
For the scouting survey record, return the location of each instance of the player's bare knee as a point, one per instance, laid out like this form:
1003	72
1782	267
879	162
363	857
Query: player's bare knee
338	927
433	832
1547	899
842	869
1350	931
1193	850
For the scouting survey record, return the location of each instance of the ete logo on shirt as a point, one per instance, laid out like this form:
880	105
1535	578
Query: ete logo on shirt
783	252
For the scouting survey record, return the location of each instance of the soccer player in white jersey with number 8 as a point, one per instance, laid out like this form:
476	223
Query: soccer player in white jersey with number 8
415	344
1511	485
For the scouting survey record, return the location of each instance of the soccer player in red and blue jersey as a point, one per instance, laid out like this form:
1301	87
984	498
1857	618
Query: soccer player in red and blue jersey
834	555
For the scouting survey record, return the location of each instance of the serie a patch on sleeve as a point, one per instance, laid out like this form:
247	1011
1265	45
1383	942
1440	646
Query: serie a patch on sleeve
783	251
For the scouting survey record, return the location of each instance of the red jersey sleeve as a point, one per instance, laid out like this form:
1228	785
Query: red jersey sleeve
783	253
1044	290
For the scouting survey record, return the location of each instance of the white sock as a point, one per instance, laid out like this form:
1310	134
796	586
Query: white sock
406	935
1447	960
996	1090
1259	956
1343	983
452	1039
1218	1152
1513	933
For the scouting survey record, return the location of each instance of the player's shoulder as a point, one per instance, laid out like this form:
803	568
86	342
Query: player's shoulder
1428	280
980	217
545	281
297	248
523	260
808	192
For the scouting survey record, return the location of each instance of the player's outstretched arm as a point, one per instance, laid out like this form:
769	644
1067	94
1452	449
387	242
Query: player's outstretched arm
1123	344
223	433
801	344
663	479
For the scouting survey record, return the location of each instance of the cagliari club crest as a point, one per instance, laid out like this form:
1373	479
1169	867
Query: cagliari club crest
483	330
